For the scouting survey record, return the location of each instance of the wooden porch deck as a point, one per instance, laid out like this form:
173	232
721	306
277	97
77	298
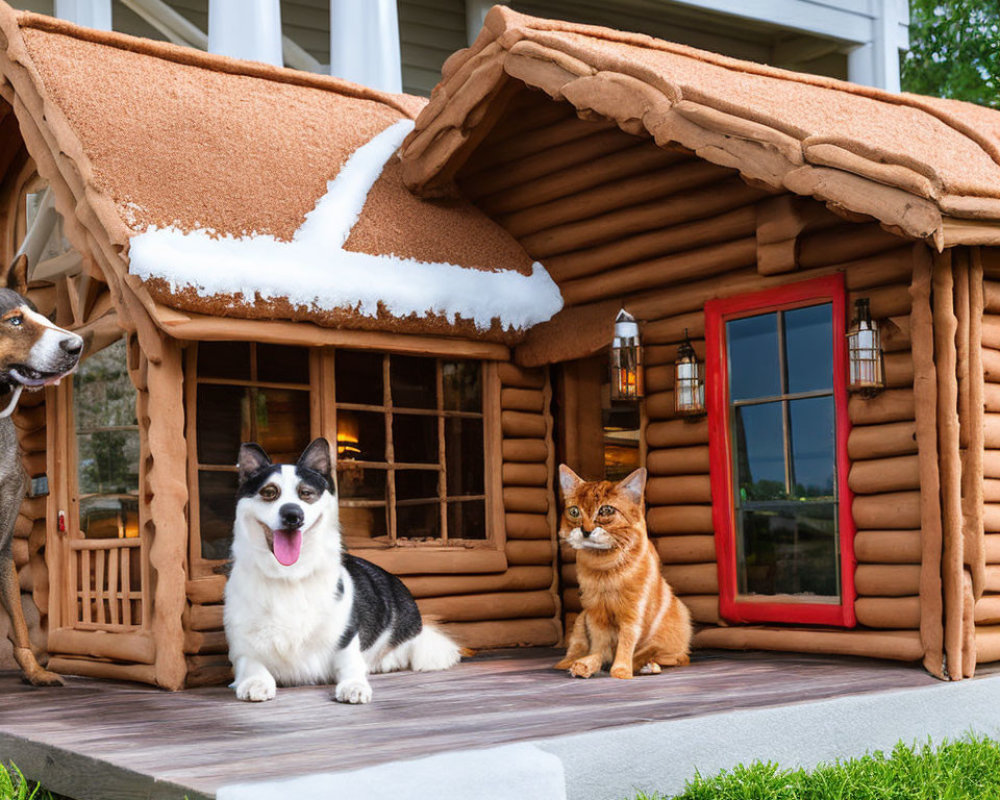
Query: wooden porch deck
101	740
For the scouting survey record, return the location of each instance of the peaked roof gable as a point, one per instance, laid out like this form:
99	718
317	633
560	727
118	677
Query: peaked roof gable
925	167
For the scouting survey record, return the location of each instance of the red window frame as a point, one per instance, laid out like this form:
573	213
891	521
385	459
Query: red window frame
717	313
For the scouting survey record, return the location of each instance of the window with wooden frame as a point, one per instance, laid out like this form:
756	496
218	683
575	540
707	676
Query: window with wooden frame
108	578
412	440
777	401
240	392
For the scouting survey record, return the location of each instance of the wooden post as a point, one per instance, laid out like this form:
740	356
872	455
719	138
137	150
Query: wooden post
165	480
925	390
945	353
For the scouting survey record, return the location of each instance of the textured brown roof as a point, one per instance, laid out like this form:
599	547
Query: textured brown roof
913	162
149	134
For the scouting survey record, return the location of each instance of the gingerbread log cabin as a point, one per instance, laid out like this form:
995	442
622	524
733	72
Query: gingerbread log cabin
256	253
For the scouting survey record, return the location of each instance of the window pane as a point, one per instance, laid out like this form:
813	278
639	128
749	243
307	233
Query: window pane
416	484
224	360
109	516
223	414
360	436
754	366
282	422
415	439
808	338
103	394
813	447
108	462
418	521
413	382
368	523
463	439
789	549
759	449
467	520
281	364
358	376
216	511
461	385
357	483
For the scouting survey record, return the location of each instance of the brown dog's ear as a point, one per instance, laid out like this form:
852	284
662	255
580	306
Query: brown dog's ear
568	480
16	275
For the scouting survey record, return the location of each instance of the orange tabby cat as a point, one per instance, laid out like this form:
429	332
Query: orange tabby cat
629	615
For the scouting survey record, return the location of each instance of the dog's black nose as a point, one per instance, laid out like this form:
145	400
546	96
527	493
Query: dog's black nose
585	532
291	515
71	346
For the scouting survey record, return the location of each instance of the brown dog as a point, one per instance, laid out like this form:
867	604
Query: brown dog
33	354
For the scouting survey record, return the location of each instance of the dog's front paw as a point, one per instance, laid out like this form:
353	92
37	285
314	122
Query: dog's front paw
353	692
583	668
621	672
257	689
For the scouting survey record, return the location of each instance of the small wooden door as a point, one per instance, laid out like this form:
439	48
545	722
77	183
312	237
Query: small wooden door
99	583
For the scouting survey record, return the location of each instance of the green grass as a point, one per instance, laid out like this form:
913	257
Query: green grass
14	786
968	769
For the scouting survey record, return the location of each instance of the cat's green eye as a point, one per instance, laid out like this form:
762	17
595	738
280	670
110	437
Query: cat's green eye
573	511
605	511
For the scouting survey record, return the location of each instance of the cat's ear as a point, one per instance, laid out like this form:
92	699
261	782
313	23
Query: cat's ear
633	485
568	480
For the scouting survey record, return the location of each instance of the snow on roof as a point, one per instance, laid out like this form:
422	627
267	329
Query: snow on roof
313	270
154	148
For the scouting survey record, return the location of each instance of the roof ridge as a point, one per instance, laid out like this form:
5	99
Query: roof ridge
212	61
752	67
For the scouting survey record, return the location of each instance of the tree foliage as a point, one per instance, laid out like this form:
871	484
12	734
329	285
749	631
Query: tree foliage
954	50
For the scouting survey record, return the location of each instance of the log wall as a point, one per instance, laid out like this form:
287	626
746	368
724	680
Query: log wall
987	596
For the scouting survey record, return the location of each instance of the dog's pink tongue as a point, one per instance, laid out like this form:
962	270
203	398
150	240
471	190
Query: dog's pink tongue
287	545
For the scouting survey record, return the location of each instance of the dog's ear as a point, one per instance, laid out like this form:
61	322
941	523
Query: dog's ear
252	458
317	458
15	277
568	480
633	485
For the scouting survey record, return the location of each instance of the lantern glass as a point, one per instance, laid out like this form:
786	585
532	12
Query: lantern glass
864	351
689	382
626	359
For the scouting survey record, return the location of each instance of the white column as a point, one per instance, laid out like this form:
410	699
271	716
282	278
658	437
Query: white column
877	62
364	43
248	29
475	15
90	13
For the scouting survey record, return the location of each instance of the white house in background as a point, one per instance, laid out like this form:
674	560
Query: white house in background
400	45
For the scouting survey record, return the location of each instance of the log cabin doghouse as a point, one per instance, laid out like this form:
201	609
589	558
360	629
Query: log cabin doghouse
263	254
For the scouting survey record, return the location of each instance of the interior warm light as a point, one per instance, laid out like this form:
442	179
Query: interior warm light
864	351
348	437
689	383
626	359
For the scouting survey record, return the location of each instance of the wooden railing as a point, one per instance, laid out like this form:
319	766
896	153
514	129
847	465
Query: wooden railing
108	581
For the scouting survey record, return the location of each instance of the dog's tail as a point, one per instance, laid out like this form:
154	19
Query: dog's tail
432	650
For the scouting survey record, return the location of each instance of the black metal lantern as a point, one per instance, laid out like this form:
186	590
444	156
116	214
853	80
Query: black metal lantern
864	352
689	381
626	359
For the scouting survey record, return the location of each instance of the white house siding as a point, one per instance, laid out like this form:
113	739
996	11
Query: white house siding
429	32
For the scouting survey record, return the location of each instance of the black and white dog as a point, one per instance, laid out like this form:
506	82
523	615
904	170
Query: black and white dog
300	610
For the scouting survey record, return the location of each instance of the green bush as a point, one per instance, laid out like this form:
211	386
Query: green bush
968	769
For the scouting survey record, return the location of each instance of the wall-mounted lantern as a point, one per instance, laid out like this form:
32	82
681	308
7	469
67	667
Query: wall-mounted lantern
626	359
864	352
689	381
